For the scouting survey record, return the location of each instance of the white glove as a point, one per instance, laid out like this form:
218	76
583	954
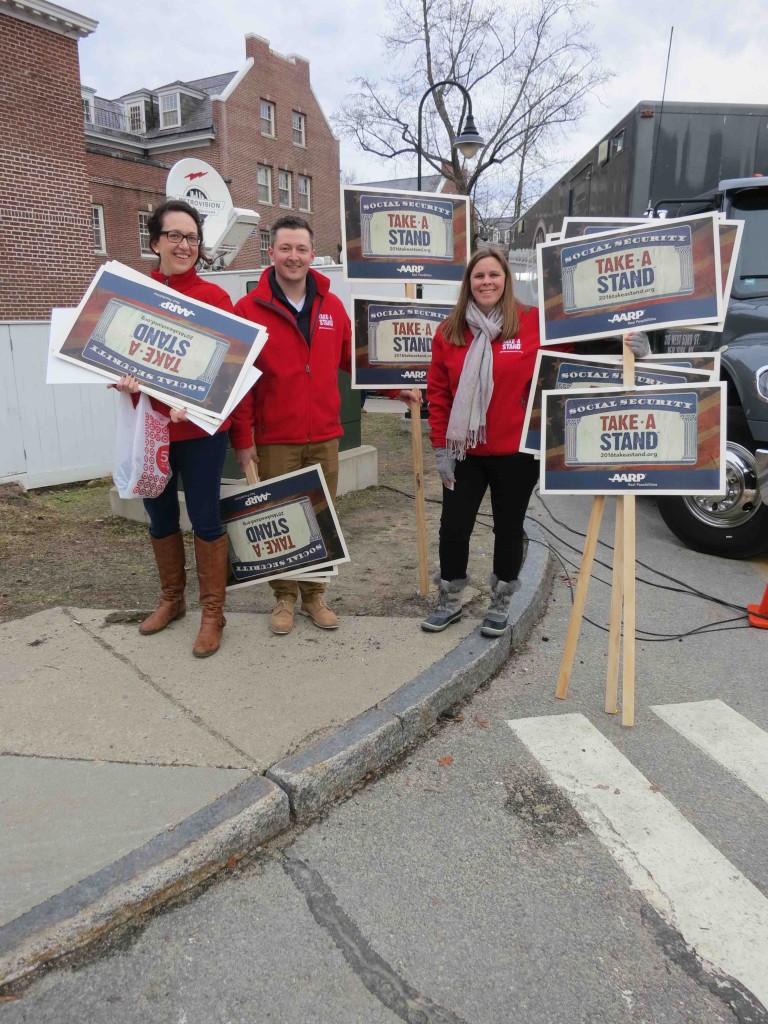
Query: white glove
637	342
446	464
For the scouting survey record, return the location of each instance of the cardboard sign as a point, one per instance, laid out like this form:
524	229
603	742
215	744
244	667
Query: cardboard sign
281	527
181	351
392	341
390	235
641	277
562	371
662	440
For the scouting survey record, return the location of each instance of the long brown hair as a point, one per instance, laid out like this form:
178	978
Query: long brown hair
453	327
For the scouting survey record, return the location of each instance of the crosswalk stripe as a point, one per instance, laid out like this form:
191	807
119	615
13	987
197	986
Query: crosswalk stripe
740	746
718	911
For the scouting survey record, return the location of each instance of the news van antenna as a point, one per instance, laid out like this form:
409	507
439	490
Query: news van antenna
649	208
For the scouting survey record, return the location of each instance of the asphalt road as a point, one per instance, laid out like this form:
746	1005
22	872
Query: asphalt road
533	862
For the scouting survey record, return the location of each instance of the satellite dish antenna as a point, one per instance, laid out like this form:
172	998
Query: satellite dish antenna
226	228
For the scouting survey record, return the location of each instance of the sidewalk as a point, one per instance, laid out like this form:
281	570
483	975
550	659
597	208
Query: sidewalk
132	772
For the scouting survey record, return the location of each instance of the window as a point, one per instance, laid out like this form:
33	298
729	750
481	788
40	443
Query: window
284	187
267	118
135	115
299	129
264	180
170	114
264	248
144	235
305	193
99	241
617	142
87	111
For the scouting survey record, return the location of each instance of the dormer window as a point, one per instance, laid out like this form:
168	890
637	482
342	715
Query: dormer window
134	114
170	110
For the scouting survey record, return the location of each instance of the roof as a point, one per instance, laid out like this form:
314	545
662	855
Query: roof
429	183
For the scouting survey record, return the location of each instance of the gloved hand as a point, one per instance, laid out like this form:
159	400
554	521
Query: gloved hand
445	463
638	342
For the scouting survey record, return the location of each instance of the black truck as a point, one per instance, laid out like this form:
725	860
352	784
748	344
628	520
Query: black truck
666	163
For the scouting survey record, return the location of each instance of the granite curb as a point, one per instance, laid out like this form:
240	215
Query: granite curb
293	789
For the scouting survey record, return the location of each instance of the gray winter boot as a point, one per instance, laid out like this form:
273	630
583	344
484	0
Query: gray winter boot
495	621
449	608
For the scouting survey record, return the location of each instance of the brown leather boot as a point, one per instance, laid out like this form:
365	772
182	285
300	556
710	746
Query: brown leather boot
169	555
211	558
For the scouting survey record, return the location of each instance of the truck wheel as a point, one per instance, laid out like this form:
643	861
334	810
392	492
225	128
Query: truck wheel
733	524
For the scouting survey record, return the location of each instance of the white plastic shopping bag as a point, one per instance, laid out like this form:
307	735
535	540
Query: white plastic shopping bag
141	468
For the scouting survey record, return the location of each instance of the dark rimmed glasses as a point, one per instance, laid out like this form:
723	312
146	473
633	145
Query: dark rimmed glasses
176	237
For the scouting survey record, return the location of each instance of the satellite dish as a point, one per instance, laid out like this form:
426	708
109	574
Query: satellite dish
225	227
198	184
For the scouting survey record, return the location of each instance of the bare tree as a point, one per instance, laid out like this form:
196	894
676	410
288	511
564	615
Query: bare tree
529	69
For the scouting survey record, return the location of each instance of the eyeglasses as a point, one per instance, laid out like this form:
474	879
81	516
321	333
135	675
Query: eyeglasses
175	237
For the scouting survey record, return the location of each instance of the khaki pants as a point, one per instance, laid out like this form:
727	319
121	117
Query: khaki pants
276	459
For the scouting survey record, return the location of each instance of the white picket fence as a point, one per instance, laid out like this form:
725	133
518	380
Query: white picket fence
49	433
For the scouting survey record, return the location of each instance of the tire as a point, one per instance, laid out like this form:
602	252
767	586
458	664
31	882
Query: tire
731	525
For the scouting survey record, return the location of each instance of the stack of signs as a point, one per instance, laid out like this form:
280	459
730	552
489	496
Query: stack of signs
282	527
183	352
392	341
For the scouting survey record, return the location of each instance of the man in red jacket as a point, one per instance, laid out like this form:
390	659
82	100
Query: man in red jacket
296	401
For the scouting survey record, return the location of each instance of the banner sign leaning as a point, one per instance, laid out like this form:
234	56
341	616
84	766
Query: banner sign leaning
281	526
662	440
392	341
640	277
390	235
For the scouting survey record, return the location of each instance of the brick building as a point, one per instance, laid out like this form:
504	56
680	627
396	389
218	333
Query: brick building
260	127
80	175
46	257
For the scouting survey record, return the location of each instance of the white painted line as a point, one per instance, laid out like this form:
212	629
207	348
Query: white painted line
697	891
740	746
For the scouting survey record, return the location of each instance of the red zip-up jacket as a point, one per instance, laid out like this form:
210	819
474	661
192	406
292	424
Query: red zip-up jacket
296	400
514	360
239	423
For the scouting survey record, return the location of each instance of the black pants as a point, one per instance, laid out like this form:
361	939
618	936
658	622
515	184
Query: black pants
511	479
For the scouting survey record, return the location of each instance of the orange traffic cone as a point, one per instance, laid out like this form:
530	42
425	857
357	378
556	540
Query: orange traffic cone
758	613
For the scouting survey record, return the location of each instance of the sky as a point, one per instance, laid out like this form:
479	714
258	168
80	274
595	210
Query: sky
718	54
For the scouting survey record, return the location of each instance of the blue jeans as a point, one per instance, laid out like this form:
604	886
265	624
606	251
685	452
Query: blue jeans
199	462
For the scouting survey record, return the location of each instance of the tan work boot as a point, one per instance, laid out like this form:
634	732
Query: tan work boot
281	620
169	555
212	565
316	608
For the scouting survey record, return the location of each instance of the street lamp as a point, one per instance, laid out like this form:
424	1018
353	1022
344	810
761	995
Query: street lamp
469	139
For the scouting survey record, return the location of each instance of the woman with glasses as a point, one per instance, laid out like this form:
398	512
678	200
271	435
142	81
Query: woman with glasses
175	236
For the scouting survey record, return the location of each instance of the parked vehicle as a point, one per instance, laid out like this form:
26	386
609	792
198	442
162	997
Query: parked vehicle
680	152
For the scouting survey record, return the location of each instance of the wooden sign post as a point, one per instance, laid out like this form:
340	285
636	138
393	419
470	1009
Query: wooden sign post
418	479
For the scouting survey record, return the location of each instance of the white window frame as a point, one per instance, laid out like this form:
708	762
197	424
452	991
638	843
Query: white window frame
286	176
168	109
264	245
264	181
270	119
299	129
143	218
305	195
87	109
99	234
129	109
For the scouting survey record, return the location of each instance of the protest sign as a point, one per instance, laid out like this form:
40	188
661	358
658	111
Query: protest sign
183	352
575	227
661	440
392	341
390	235
644	277
561	371
280	527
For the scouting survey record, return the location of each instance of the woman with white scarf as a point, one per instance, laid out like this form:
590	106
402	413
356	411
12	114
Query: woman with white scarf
483	358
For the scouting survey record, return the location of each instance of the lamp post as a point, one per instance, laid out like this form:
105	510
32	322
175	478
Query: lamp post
468	141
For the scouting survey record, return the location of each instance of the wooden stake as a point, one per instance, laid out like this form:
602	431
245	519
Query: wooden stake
580	597
418	480
628	674
252	473
617	599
